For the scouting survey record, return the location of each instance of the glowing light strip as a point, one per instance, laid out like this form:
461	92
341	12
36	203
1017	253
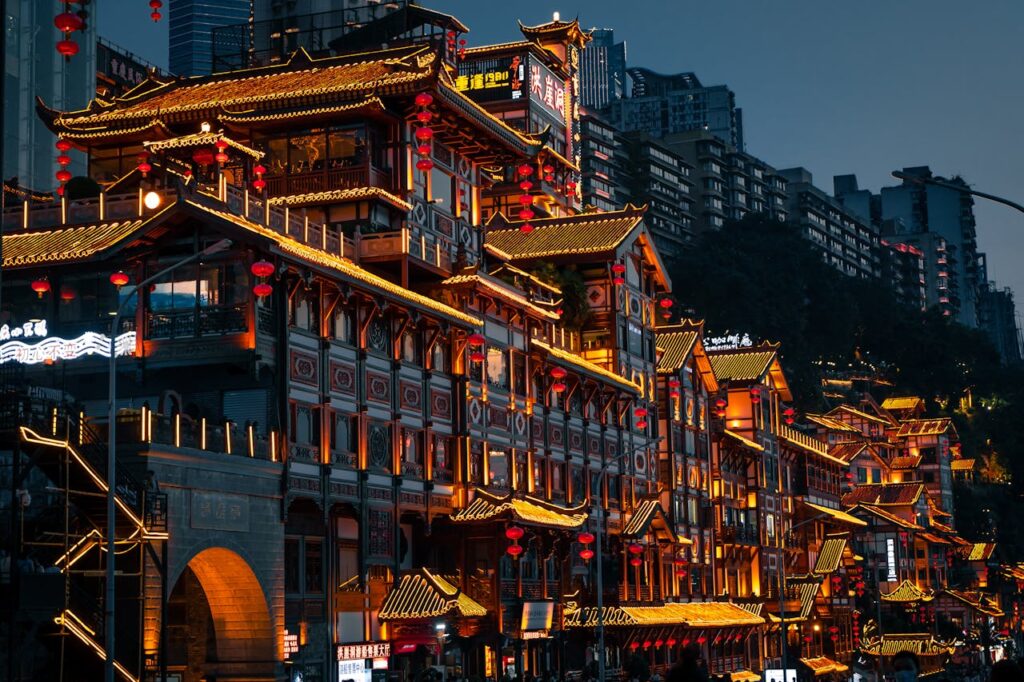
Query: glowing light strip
54	348
76	627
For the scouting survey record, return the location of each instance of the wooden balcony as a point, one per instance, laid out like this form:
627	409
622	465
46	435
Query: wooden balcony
329	179
428	249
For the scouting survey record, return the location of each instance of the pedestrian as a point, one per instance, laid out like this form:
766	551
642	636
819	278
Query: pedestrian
688	669
1006	671
906	666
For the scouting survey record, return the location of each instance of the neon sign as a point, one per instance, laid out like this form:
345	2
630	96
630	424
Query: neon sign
728	342
31	329
56	348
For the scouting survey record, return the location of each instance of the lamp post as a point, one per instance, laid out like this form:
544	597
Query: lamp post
440	628
108	607
598	551
918	180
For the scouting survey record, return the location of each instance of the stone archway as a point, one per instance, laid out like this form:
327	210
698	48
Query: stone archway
221	613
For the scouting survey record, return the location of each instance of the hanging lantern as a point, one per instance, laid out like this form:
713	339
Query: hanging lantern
526	228
424	134
476	340
904	536
558	387
636	561
259	169
671	641
674	383
63	159
585	538
423	150
586	554
635	548
673	393
680	572
67	48
144	165
67	294
559	312
203	156
634	645
558	373
262	268
514	550
155	16
41	286
221	157
259	184
526	213
119	278
424	117
424	165
618	268
525	170
755	394
476	356
514	532
525	200
665	303
642	424
526	186
424	99
789	415
262	290
62	145
701	639
618	281
640	412
63	175
155	5
66	22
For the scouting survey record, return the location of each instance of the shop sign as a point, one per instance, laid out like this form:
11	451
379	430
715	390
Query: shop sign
360	652
51	348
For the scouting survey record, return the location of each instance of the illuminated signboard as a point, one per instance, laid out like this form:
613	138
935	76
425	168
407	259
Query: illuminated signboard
358	652
728	342
291	644
548	90
490	80
537	615
14	349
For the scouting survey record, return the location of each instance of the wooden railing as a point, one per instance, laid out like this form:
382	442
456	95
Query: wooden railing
328	180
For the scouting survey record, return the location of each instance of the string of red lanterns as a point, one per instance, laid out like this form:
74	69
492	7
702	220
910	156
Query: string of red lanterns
262	269
618	270
558	374
476	344
155	5
585	538
424	134
514	533
259	170
526	213
67	22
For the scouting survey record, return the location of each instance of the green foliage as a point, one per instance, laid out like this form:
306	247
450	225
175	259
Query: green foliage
576	309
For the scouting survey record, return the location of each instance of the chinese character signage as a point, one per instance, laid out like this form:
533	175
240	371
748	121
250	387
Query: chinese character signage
548	90
359	652
489	80
123	71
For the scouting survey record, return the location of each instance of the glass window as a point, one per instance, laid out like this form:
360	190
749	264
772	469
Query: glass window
307	152
439	356
558	479
314	565
276	159
342	325
305	424
540	478
497	373
498	469
347	147
476	464
441	188
442	464
411	347
304	314
291	565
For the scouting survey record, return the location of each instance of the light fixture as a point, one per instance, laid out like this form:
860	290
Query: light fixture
205	126
152	200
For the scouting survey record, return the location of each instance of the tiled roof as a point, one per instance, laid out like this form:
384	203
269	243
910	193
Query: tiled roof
743	364
854	412
906	592
500	289
822	665
976	600
924	427
64	244
584	233
962	464
202	140
981	551
830	423
920	644
911	402
846	452
836	514
423	595
675	347
831	555
943	528
646	514
335	195
744	676
746	442
486	506
933	539
353	76
341	266
898	521
806	443
884	494
689	614
584	365
905	462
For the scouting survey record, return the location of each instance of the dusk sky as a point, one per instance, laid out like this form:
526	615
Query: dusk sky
838	87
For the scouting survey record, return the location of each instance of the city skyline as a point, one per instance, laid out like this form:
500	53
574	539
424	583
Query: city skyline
809	108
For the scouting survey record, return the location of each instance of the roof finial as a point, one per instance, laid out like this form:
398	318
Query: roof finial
557	16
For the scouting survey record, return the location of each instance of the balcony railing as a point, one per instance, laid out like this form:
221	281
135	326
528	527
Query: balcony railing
176	324
115	207
429	249
328	180
739	535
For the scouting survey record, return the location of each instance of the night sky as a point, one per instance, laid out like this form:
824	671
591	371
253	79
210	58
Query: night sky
839	86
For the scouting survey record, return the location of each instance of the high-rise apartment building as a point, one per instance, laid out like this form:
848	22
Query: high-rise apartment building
602	70
191	31
848	242
33	68
662	105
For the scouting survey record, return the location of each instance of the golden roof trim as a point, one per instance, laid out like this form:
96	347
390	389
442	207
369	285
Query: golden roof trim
501	289
424	595
905	593
686	614
585	365
345	194
202	139
836	514
526	509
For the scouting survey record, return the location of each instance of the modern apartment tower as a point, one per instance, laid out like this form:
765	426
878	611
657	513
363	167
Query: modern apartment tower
602	70
191	31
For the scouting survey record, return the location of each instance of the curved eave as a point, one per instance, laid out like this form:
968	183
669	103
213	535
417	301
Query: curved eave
254	117
500	131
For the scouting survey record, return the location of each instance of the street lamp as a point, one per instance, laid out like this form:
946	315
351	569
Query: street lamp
440	628
919	180
598	549
109	639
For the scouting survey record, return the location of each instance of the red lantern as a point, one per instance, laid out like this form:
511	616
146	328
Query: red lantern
259	169
701	639
559	312
679	561
548	170
642	424
259	184
67	294
618	268
262	268
634	645
63	175
618	281
635	548
526	228
585	538
640	412
680	572
66	22
262	289
673	393
636	561
476	356
63	159
156	4
526	213
424	99
476	340
558	387
423	150
119	278
221	144
755	394
665	303
514	532
424	165
67	48
63	145
558	373
155	16
514	550
424	134
41	286
525	199
203	156
144	165
424	117
586	554
221	157
525	170
526	186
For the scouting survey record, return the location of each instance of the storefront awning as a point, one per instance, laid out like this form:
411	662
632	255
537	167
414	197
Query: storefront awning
528	510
